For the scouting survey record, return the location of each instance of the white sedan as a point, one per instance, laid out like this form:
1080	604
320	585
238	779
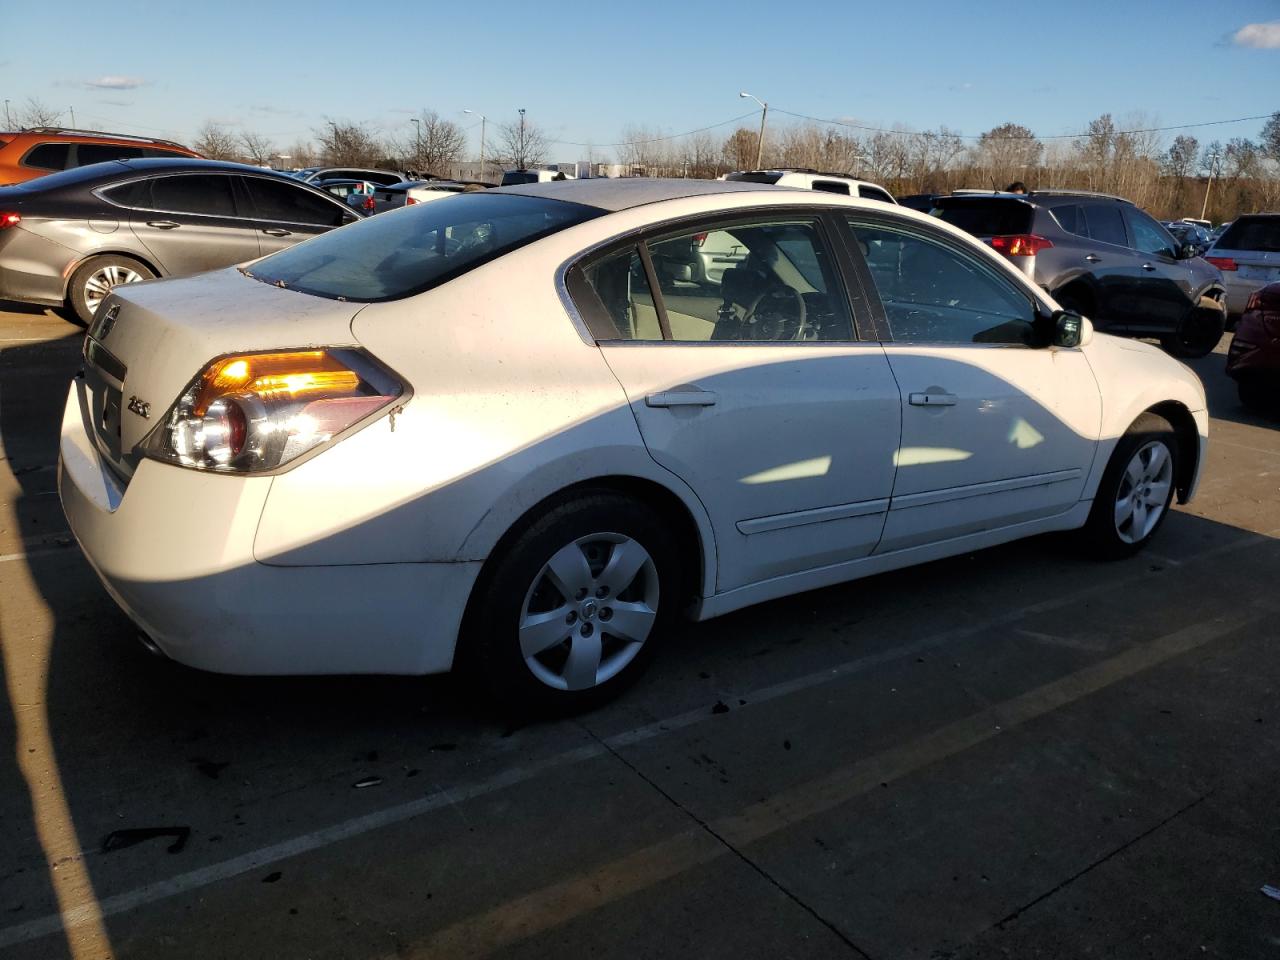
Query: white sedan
522	429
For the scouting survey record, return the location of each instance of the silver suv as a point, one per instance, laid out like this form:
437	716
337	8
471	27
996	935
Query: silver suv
1104	258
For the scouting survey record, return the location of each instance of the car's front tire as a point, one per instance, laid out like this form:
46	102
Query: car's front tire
1198	333
571	610
1136	490
96	277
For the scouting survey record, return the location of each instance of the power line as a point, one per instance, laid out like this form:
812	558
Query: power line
674	136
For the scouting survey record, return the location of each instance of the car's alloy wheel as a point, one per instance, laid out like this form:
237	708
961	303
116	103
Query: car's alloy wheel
589	611
99	283
1144	492
1197	334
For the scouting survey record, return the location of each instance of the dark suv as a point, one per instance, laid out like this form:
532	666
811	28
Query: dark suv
68	238
1103	257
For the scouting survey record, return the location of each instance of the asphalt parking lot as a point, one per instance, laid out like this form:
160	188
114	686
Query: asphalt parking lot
1016	753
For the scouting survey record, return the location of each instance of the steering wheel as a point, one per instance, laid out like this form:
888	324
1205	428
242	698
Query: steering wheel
771	311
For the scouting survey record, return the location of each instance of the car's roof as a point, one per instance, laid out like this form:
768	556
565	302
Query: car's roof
624	193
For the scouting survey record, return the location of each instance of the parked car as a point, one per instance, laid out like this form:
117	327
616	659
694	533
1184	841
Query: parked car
38	151
373	175
924	202
428	439
1253	359
1103	257
408	193
343	188
1190	234
67	239
1248	254
807	179
516	177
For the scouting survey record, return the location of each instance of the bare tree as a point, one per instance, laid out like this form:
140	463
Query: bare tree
35	113
1180	159
1007	152
256	148
1270	140
216	142
521	144
350	143
432	145
302	153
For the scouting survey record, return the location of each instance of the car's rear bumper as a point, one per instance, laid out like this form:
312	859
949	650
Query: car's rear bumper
174	548
1239	289
33	269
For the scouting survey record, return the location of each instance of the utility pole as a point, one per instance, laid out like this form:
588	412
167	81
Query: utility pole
482	120
764	113
333	151
417	147
520	165
1213	163
73	115
8	124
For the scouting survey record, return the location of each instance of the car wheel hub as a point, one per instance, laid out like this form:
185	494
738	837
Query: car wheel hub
1144	491
100	282
589	611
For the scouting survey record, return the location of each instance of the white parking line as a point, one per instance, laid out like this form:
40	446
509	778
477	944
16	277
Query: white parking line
346	830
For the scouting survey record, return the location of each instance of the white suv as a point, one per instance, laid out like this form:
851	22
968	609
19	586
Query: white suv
814	180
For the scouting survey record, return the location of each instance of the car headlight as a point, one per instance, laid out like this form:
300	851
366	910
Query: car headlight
256	412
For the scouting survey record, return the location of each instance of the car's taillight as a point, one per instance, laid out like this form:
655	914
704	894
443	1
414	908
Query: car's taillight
368	203
254	412
699	239
1020	244
1255	301
409	201
10	220
1225	264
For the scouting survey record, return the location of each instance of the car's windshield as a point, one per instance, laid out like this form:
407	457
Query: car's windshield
399	254
1252	233
986	218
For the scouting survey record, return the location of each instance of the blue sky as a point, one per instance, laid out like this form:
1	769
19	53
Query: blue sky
586	71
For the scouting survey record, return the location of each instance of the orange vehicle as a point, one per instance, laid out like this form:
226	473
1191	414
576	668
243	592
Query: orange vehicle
27	154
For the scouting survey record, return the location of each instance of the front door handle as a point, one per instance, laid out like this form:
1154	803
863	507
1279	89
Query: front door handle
932	399
163	224
684	395
276	232
1148	267
1093	258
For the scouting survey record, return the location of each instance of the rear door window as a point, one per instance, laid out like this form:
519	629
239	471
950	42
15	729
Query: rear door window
48	156
283	201
87	153
1071	218
1252	233
986	218
831	186
205	194
1106	224
874	193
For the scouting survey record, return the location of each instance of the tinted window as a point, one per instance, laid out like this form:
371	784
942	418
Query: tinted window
986	218
87	153
162	153
135	194
874	193
389	257
752	176
513	177
1149	236
771	281
1252	233
206	194
48	156
287	202
627	309
933	293
1071	217
832	186
1106	224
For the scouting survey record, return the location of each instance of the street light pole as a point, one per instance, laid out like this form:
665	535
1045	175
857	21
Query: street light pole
520	165
1213	163
482	120
417	147
73	115
764	113
8	124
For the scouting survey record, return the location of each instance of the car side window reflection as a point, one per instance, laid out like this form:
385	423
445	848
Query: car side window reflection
1149	236
933	293
770	282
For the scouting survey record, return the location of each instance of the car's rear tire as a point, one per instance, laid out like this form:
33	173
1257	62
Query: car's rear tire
571	611
1136	490
95	278
1198	333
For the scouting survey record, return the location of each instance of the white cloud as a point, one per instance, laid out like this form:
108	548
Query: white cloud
116	83
1261	36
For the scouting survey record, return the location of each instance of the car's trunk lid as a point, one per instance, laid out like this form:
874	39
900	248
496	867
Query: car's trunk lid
148	341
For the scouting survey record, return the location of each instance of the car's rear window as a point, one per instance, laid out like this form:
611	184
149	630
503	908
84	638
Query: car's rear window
1252	233
985	218
753	176
397	255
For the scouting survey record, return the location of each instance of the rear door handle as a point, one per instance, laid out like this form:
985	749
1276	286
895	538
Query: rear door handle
276	232
163	224
682	396
1148	267
932	399
1093	258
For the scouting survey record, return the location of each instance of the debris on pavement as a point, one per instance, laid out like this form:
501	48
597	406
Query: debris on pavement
367	782
119	839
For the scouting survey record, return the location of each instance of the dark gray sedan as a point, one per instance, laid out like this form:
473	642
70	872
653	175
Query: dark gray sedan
68	238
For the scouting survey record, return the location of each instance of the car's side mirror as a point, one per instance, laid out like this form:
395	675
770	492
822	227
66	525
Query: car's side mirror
1068	328
1188	251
